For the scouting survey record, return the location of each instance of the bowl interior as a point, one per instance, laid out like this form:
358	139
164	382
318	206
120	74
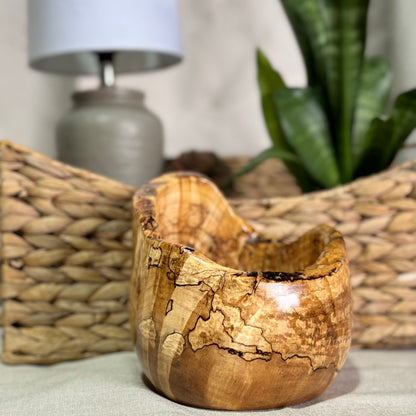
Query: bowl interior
191	211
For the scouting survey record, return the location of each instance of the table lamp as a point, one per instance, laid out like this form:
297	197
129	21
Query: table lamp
108	130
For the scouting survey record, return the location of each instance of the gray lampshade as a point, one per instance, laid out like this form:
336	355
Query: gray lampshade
64	35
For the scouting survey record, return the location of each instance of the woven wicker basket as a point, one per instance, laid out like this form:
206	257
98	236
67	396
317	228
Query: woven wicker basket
66	242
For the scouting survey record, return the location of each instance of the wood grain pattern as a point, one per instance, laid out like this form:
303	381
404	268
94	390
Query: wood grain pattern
223	318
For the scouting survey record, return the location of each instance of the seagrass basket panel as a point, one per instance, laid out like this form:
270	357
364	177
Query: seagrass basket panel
66	259
377	217
270	179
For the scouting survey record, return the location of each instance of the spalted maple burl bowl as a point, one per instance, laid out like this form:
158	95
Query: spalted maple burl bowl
223	318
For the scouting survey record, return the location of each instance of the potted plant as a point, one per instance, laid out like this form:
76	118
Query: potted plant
335	133
335	129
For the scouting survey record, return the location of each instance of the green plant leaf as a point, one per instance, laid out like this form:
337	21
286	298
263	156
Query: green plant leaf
269	81
305	127
349	40
304	43
337	126
385	137
377	141
335	30
272	152
372	99
404	117
307	20
268	78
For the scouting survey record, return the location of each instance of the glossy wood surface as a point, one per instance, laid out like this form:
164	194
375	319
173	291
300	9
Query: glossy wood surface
223	318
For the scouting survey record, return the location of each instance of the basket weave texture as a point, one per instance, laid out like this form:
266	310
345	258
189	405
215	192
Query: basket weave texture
66	251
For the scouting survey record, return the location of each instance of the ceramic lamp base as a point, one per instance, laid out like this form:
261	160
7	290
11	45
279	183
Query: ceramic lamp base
110	132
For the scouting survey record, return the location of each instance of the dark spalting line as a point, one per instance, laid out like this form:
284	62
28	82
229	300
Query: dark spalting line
240	354
198	283
267	356
260	352
283	276
323	367
169	306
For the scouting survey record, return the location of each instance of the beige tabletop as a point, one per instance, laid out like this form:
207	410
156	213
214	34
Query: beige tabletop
372	382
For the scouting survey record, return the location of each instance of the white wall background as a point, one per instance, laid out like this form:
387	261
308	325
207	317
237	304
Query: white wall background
30	102
210	101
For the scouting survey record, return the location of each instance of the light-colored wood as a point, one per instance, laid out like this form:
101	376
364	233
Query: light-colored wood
223	318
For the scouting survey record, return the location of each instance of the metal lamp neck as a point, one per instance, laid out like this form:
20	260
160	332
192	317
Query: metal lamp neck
107	73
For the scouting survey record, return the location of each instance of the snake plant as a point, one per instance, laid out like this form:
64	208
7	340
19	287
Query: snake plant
336	128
